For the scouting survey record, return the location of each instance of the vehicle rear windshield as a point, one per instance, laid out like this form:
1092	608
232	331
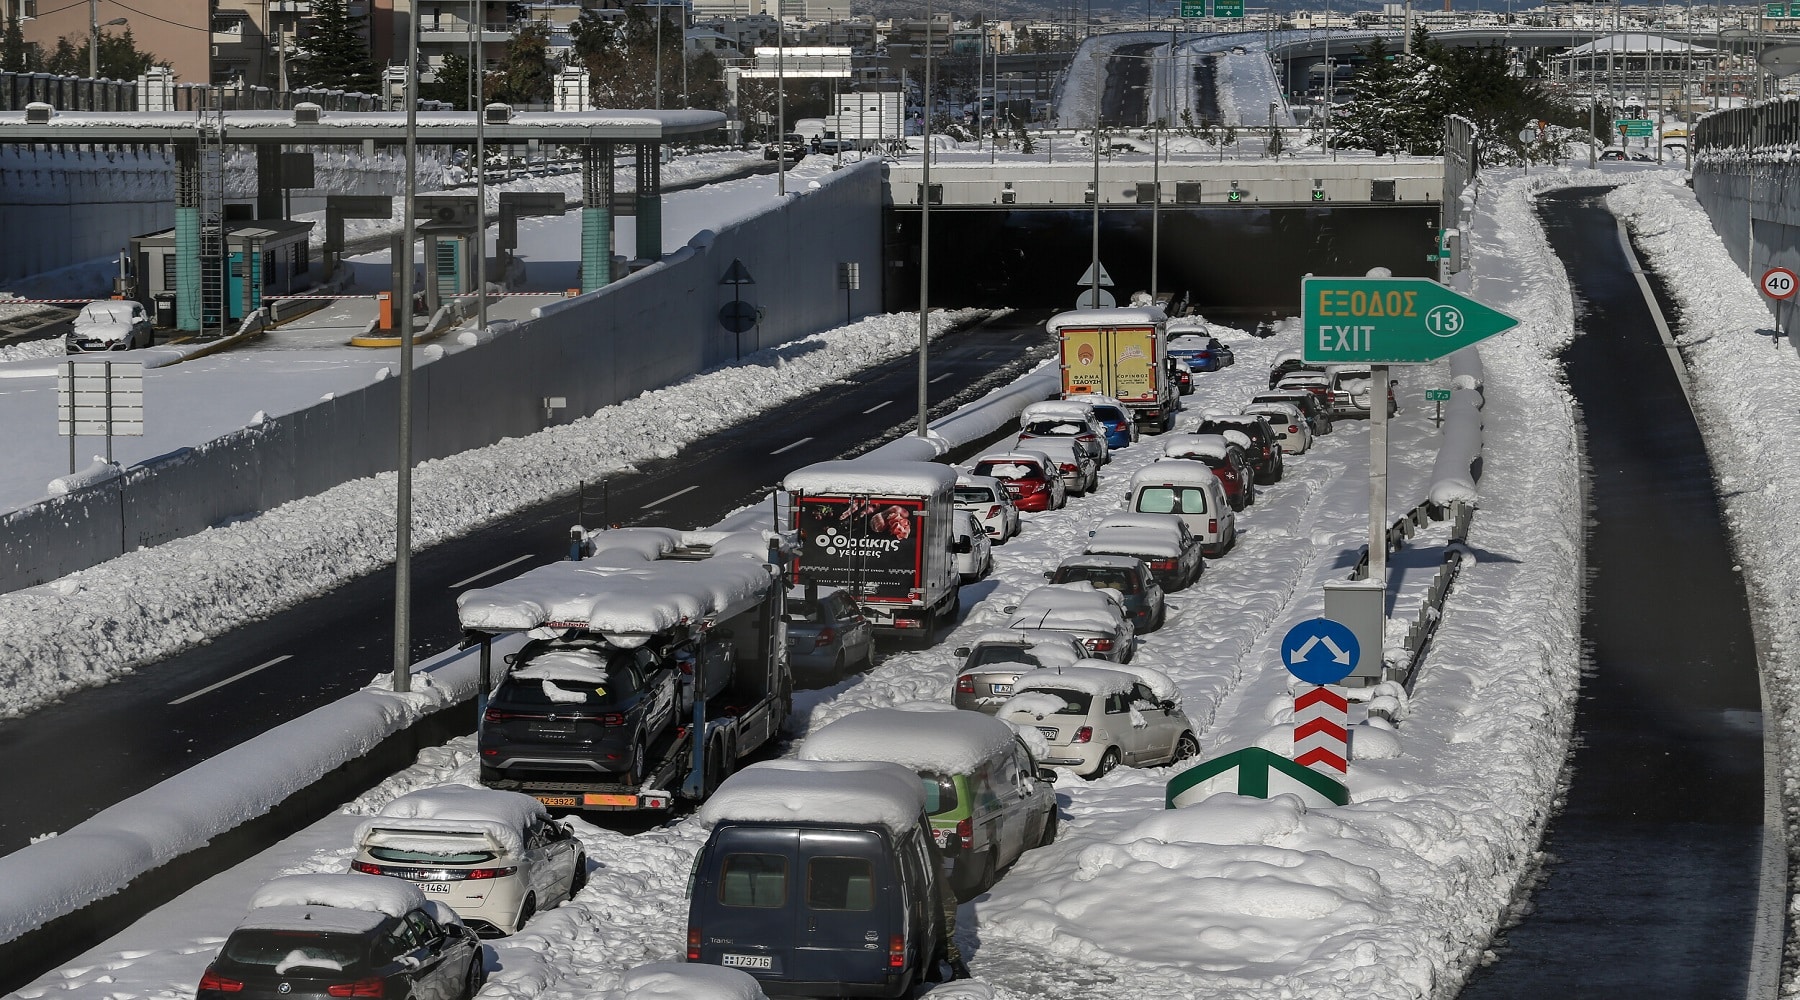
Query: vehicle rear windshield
1074	702
753	880
1109	414
1171	500
1100	576
840	884
1054	428
974	494
940	793
430	858
293	950
1006	653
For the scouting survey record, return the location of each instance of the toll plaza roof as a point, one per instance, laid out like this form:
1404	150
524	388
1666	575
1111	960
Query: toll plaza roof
350	127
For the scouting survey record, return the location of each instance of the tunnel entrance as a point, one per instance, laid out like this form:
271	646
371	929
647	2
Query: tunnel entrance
1237	261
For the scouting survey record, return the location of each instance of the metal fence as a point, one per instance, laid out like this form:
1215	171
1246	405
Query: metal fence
73	93
1744	130
1460	159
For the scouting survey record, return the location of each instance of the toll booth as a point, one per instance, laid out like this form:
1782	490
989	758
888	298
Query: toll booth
266	258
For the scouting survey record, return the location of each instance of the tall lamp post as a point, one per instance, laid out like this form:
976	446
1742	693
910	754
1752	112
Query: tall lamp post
94	27
403	480
924	236
477	104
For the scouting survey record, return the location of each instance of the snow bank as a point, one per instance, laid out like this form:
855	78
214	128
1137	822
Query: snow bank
98	472
390	896
681	981
931	742
859	793
1453	474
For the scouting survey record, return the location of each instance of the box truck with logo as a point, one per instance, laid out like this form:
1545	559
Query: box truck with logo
1121	353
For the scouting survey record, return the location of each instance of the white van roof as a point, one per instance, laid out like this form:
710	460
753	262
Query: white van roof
872	477
954	742
858	793
1176	471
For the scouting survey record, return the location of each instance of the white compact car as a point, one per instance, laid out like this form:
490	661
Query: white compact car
109	325
974	552
1288	423
1098	715
494	857
987	499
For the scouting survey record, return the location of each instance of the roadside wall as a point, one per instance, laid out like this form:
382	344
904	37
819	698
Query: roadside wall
63	207
1746	179
653	328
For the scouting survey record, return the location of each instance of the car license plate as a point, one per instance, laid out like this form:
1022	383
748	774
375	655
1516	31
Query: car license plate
1049	732
747	961
1000	688
558	801
551	730
437	887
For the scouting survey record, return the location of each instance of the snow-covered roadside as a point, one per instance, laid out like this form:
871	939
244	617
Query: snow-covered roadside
155	602
1743	390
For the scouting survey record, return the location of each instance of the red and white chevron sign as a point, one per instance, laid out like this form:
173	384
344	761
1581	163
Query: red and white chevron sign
1321	731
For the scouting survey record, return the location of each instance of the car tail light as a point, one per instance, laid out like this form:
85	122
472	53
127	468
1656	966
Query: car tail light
476	873
906	623
365	868
965	832
693	952
897	952
1121	427
1212	525
1100	645
827	636
1067	467
1293	429
214	981
497	715
994	511
965	684
1162	564
360	988
1083	735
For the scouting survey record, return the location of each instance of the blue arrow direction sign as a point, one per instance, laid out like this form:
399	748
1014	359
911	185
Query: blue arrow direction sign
1320	651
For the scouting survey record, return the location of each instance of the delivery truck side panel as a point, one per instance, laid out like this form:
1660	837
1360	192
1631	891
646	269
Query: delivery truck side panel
1125	362
891	553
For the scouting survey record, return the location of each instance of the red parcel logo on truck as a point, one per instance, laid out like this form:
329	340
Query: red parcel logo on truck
1111	361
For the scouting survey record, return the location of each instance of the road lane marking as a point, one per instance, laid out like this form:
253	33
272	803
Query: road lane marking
489	572
234	677
942	377
663	500
790	447
877	406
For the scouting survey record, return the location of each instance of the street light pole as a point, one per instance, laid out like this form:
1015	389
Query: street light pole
403	478
924	236
94	27
478	104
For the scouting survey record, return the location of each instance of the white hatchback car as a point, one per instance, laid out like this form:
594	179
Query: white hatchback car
987	499
494	857
974	552
1098	715
1288	423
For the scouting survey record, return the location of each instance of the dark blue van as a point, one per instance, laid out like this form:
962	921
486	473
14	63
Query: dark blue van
849	907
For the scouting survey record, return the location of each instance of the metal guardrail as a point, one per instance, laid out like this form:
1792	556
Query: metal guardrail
1773	126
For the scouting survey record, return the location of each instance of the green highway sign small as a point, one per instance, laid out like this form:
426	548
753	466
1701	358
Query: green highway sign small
1193	8
1228	8
1386	321
1635	126
1437	395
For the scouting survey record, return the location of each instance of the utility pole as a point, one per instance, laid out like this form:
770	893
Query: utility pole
403	479
924	237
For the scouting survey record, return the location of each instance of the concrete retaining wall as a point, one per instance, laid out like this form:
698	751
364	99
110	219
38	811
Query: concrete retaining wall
61	208
1727	187
646	331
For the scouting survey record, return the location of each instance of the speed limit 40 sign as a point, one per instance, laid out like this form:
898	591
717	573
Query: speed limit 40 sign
1779	283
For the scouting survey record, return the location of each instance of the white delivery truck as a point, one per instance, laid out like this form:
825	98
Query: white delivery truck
651	666
1122	353
881	531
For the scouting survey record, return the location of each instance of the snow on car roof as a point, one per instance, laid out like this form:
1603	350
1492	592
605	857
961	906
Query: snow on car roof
1095	680
1175	471
1189	445
325	919
1099	400
107	311
344	891
1057	409
1105	317
631	546
618	601
1146	521
1040	641
1135	541
502	816
1189	340
1104	559
1016	456
1078	605
1051	446
871	477
955	742
852	792
1291	354
1187	324
684	981
966	480
1241	419
1288	412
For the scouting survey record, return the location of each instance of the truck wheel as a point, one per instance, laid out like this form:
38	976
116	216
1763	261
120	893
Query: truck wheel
636	774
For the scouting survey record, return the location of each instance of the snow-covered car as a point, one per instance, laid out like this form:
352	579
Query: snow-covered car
1115	420
1138	590
826	633
109	325
1264	451
1078	468
1189	491
987	498
1097	716
1161	540
974	552
988	799
1202	352
1228	457
1071	419
338	935
494	857
1288	363
1288	423
1312	382
1351	391
1030	476
996	658
1097	617
1309	405
1612	153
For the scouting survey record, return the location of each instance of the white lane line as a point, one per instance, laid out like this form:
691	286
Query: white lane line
942	377
663	500
790	447
489	572
1015	336
234	677
877	406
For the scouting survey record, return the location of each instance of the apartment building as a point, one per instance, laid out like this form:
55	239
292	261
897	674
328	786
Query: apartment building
178	32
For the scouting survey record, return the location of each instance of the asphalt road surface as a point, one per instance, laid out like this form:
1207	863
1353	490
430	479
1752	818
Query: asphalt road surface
105	744
1651	884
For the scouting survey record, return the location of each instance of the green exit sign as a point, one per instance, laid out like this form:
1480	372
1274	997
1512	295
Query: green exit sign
1228	8
1390	320
1437	395
1775	9
1635	127
1193	8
